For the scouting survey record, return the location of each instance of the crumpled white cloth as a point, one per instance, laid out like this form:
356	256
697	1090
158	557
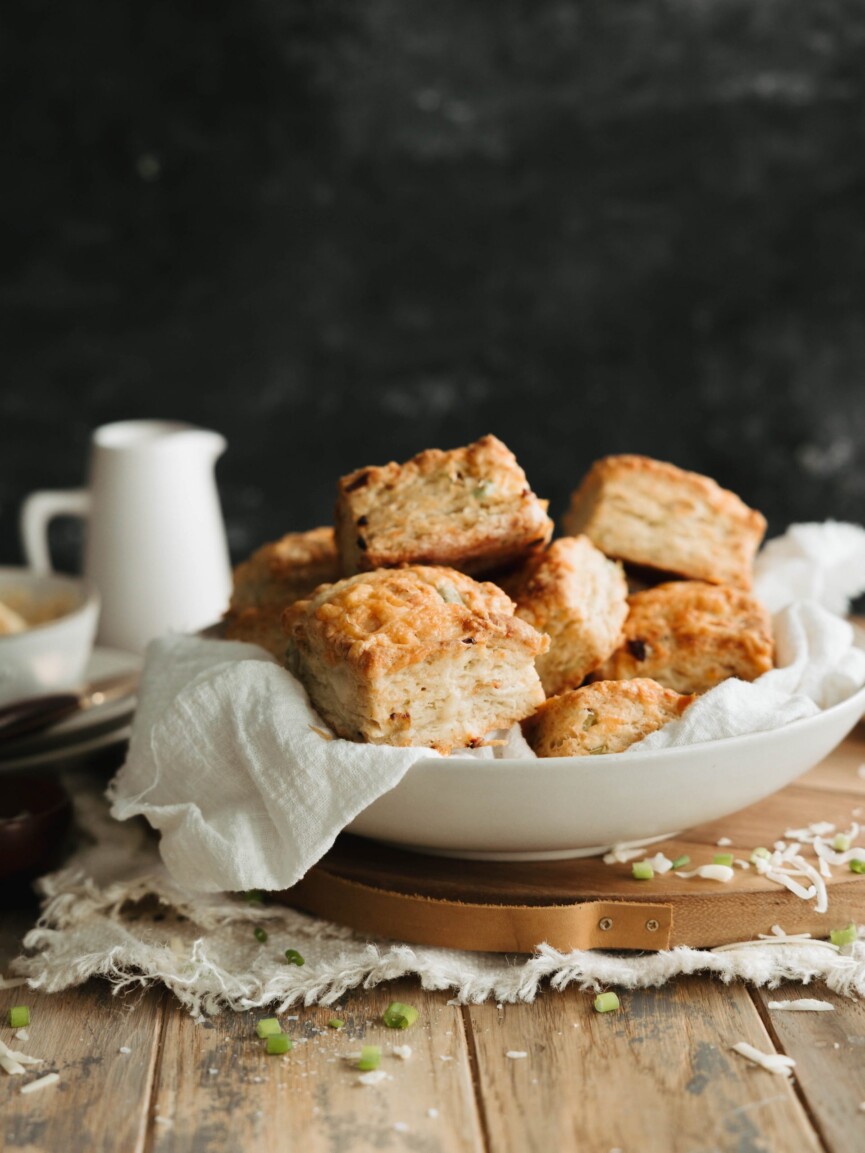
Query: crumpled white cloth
228	761
820	562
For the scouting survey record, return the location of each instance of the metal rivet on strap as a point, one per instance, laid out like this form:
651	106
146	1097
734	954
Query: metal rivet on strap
652	926
605	923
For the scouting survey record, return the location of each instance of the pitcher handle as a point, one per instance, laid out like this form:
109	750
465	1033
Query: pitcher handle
37	511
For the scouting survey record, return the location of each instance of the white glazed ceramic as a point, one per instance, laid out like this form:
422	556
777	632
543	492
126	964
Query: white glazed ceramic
155	547
50	656
579	806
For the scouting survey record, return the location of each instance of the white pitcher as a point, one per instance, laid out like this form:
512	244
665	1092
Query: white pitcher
155	544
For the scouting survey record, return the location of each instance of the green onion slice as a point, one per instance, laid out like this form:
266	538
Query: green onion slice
760	854
680	862
268	1027
840	842
370	1057
19	1016
335	1023
642	871
606	1003
293	957
399	1016
843	936
260	934
723	859
857	865
278	1043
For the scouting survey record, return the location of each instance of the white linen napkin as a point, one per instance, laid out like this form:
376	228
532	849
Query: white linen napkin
230	763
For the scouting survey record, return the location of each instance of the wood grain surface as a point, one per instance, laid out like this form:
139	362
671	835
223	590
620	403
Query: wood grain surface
658	1076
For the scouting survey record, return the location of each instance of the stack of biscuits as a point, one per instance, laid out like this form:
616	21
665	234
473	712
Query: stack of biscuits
439	610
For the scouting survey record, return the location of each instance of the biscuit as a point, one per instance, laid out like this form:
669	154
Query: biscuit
286	570
690	635
469	508
606	717
578	597
650	513
258	625
415	656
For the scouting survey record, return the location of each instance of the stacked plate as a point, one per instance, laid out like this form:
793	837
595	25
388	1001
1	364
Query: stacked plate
95	729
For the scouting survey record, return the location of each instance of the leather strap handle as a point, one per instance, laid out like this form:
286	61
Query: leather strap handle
423	920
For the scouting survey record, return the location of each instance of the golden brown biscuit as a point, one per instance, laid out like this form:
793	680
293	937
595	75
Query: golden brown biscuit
286	570
606	717
577	596
258	625
689	636
647	512
415	656
470	508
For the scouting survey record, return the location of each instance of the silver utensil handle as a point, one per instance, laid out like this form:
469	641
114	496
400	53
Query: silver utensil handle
24	717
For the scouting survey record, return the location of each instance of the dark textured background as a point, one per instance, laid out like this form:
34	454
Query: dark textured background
342	232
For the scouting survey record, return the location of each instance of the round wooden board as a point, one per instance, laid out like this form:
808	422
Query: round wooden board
583	903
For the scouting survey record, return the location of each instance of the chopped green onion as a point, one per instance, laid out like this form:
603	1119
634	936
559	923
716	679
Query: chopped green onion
857	865
370	1057
843	936
606	1003
335	1023
642	871
723	859
254	897
268	1027
840	842
680	862
760	854
293	957
19	1016
399	1016
278	1043
260	934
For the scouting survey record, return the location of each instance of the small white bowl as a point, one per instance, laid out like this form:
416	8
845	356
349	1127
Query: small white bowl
52	655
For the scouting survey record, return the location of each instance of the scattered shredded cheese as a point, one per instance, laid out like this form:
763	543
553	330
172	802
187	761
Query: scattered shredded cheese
21	1035
13	1061
434	1112
400	1126
723	841
373	1077
621	854
773	1062
710	873
804	1005
516	1054
41	1083
402	1051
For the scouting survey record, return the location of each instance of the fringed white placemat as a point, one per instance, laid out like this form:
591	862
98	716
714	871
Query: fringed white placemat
114	911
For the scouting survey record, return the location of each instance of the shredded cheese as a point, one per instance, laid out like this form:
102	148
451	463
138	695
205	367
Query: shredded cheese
373	1077
804	1005
41	1083
13	1061
773	1062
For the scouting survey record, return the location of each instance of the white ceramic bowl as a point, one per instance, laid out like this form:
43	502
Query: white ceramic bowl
579	806
53	655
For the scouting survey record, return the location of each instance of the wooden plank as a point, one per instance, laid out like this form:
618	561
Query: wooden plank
101	1099
840	769
659	1074
829	1050
218	1091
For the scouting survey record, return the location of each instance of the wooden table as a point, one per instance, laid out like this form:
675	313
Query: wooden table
657	1075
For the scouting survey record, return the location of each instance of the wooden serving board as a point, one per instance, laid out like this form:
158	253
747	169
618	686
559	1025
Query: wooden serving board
583	903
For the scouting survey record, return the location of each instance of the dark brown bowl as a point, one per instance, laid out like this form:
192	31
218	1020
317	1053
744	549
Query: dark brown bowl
35	817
